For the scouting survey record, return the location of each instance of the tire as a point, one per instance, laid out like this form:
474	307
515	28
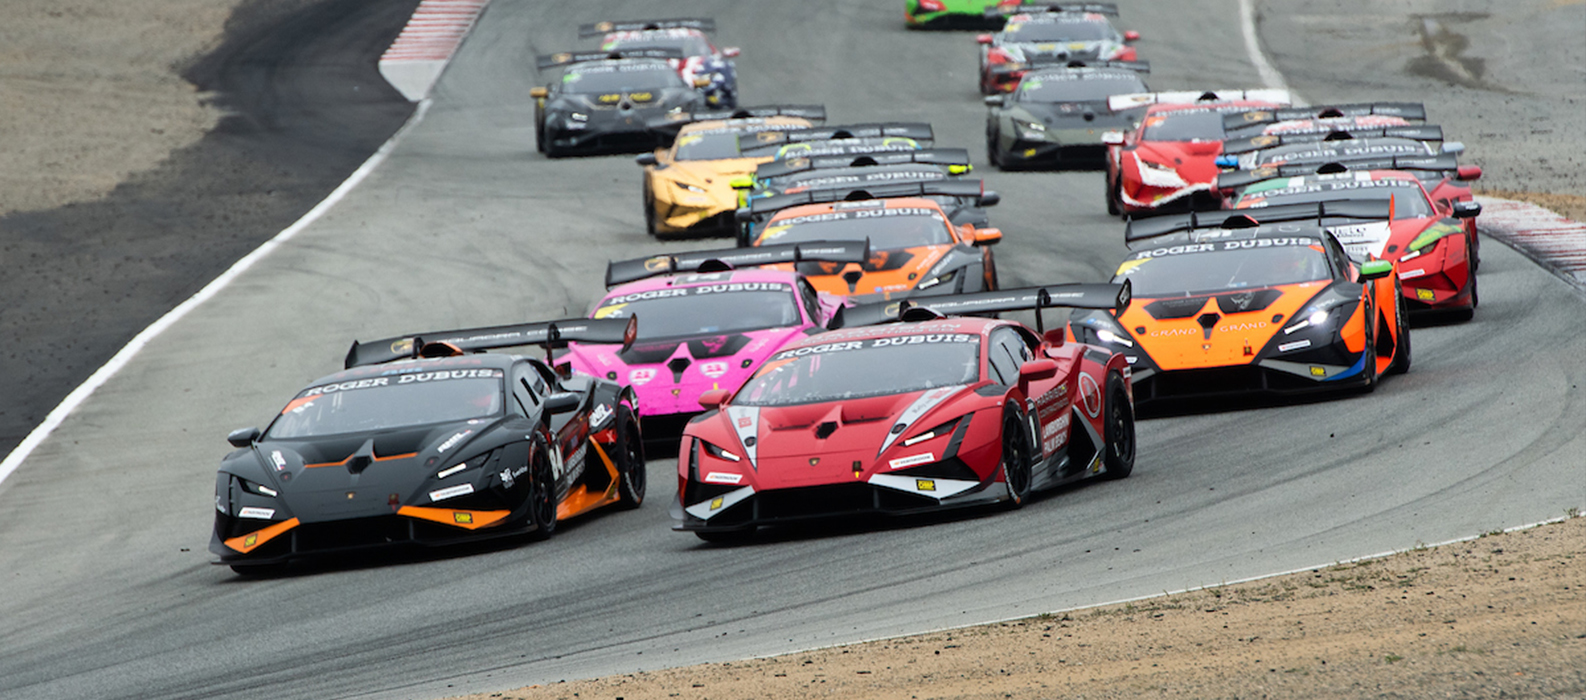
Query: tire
1118	431
1371	346
1114	205
631	477
542	491
1016	467
1401	354
991	150
649	209
726	536
539	129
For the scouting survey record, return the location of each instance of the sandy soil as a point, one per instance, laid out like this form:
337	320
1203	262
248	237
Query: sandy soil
92	95
1500	616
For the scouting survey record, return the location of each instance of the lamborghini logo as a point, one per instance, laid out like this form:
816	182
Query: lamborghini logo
402	347
657	263
798	163
768	136
814	461
1257	116
561	58
603	26
892	310
1263	141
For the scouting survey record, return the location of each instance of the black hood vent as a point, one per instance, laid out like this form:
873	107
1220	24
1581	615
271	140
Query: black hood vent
1245	302
1164	309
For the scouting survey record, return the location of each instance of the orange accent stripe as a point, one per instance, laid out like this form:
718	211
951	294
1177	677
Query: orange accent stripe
582	500
317	465
251	541
466	519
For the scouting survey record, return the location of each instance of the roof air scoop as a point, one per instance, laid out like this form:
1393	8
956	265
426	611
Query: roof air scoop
714	265
1240	221
1339	136
439	350
842	134
1330	168
858	195
1330	113
1207	96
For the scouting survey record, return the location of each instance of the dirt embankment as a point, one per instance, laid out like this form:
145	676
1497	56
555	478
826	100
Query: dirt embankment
1503	616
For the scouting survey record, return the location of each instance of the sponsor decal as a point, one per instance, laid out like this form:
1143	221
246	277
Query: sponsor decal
402	347
713	369
1318	371
277	460
925	338
1411	274
451	492
1255	325
453	440
715	503
640	377
463	518
901	462
510	476
723	478
1090	394
1425	295
257	513
250	540
599	416
1296	345
1055	426
1168	332
639	296
925	484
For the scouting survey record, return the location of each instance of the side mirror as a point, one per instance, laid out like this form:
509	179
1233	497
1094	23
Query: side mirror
562	402
1112	138
989	199
539	93
1055	337
1467	210
996	100
982	38
243	437
713	398
1036	370
730	52
1374	269
1466	173
988	236
645	159
1131	36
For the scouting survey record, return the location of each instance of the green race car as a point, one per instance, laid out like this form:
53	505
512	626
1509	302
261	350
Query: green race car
954	14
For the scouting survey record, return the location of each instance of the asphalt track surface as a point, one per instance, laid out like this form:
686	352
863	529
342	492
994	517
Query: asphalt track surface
108	589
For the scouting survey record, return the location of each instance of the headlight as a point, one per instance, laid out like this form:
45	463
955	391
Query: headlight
577	117
474	463
932	282
1029	129
1107	336
1424	243
936	432
720	453
690	188
1317	314
257	489
1148	165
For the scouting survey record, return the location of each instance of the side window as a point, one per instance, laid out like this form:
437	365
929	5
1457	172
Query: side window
1004	355
812	307
543	381
1337	256
525	398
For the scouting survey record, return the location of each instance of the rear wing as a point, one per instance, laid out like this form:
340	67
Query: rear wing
1051	61
674	122
1106	296
1100	8
947	188
1142	229
1231	180
920	131
818	149
1249	144
1118	103
704	24
1414	111
625	271
931	156
552	60
548	334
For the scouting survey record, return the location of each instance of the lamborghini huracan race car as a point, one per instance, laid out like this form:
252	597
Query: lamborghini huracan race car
419	443
794	175
1253	302
1323	118
1056	116
915	249
911	416
1337	147
1433	240
710	318
1169	160
701	64
1038	34
955	14
688	185
814	141
604	101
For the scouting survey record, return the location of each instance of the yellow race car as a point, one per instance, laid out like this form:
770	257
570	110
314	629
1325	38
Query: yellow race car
688	186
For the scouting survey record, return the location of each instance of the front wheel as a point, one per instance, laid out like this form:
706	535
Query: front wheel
726	536
631	477
1401	354
542	491
1016	467
1114	199
1119	430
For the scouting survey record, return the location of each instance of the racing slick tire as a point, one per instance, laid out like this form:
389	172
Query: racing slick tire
631	477
1114	199
1118	432
542	491
991	150
1017	471
1401	354
649	210
1475	300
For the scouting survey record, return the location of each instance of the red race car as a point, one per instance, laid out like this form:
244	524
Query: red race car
919	412
1168	161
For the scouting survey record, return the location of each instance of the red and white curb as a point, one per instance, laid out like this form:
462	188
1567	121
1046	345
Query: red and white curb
1553	241
415	60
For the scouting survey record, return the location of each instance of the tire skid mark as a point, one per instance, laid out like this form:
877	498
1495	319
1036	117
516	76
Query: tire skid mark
420	53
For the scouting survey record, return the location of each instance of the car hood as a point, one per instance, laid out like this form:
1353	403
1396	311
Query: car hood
1170	330
670	374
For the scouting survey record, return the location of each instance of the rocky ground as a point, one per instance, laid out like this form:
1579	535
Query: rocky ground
101	121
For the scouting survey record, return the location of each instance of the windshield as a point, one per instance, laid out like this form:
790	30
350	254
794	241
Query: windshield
887	229
710	309
385	403
716	145
1069	30
1189	126
1066	88
690	45
621	77
858	369
1170	274
1408	199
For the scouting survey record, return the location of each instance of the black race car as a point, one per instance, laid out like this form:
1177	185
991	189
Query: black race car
604	100
829	172
426	440
1056	116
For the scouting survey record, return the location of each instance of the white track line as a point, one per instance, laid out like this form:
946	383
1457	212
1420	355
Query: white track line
98	379
1270	76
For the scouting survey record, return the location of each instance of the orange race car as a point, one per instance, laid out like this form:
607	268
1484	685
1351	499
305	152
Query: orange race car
1260	301
688	185
915	249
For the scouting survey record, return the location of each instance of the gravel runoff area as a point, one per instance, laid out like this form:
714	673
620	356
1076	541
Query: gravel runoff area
127	186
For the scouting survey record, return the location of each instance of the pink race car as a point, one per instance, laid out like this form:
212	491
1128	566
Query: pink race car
705	323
